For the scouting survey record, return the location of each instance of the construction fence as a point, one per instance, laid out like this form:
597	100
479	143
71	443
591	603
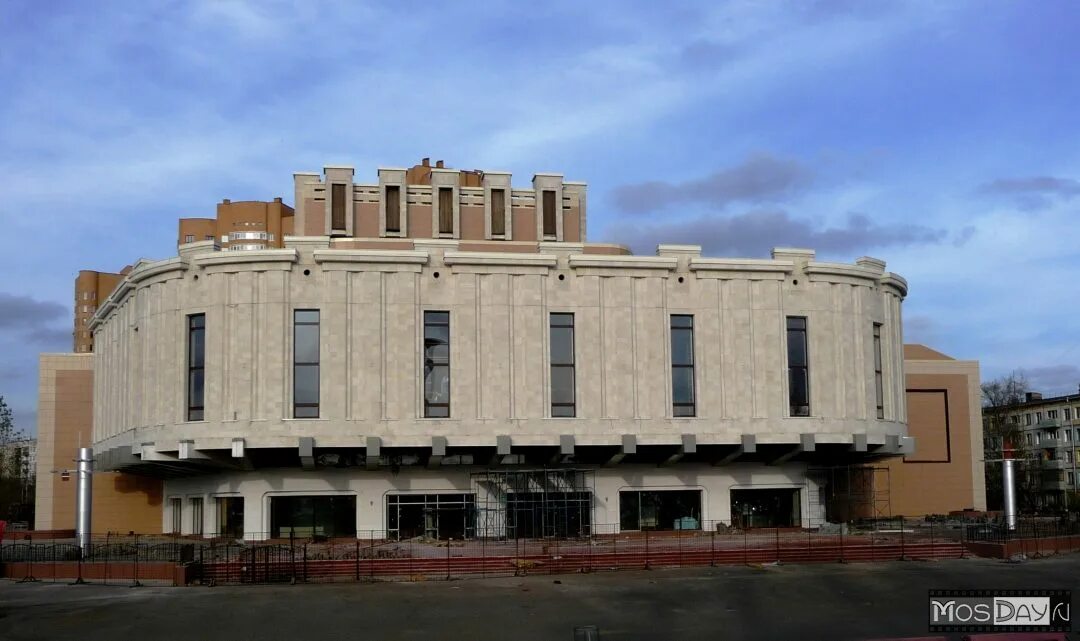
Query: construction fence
376	556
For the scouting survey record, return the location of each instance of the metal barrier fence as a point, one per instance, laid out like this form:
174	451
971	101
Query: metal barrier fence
375	556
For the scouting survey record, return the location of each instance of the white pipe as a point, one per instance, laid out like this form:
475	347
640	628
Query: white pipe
84	492
1009	480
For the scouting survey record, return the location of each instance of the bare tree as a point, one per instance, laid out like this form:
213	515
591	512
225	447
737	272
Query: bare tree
1001	425
13	480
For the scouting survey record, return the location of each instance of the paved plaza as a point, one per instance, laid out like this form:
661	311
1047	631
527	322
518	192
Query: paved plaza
733	603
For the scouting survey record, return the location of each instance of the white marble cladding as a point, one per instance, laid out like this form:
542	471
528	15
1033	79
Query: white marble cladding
372	304
372	487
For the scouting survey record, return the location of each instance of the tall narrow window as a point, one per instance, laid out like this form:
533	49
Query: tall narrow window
880	391
393	208
446	210
196	366
436	364
176	509
498	212
196	515
563	385
306	363
798	367
550	227
682	365
337	207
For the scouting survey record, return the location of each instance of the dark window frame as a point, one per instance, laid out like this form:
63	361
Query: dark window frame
432	319
393	209
498	213
798	407
337	207
196	407
446	210
301	410
562	409
176	515
878	376
550	209
683	409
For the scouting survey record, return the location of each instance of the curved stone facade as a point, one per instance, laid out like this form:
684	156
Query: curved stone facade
372	301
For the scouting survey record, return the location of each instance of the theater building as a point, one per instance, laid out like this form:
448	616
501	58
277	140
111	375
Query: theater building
441	354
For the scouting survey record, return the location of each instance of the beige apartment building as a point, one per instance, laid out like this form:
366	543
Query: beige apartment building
438	352
1049	429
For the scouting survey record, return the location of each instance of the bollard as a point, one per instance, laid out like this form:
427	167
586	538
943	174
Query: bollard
646	549
842	524
744	544
78	559
29	578
903	554
108	550
448	541
371	557
712	548
357	559
135	571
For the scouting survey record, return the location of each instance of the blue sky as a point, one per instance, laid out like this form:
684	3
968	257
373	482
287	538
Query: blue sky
940	137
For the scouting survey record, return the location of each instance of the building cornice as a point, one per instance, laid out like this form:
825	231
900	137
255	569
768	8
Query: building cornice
510	259
389	256
246	257
668	263
742	265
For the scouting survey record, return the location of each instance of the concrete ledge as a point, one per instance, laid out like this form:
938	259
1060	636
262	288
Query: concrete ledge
742	265
390	256
623	262
500	258
244	257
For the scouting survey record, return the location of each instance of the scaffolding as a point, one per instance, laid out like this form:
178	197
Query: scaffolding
848	493
537	503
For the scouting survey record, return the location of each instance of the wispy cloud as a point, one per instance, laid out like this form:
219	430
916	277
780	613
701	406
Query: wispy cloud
118	119
760	178
755	232
24	314
1054	379
1041	185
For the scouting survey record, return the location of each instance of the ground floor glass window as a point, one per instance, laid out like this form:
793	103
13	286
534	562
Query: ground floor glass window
548	514
231	516
307	516
780	507
435	516
660	510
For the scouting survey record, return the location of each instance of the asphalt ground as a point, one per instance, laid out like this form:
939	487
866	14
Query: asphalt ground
830	602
